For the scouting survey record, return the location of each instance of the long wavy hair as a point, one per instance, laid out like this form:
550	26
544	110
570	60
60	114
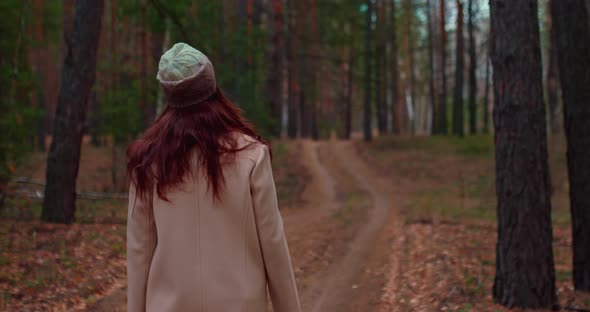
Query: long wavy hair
162	156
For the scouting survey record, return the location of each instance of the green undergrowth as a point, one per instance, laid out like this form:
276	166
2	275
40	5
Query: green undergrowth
453	178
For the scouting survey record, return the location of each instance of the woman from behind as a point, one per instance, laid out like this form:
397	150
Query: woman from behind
204	232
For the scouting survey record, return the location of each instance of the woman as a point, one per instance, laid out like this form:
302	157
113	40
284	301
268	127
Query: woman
204	232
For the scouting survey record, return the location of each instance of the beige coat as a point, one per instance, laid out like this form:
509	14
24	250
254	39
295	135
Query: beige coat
196	254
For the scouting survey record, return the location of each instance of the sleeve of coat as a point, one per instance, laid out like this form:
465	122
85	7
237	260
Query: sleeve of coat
141	243
279	272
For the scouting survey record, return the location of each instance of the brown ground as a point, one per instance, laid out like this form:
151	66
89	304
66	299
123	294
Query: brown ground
396	225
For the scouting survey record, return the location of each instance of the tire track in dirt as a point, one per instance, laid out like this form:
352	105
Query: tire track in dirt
338	288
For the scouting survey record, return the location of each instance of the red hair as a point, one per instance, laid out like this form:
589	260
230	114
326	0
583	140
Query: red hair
163	154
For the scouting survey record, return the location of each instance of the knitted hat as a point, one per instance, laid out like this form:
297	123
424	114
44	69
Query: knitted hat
187	76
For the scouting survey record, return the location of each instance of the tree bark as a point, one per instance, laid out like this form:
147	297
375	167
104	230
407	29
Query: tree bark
349	82
395	100
410	68
443	127
368	74
78	74
274	81
525	274
486	99
292	111
431	85
472	71
570	21
379	68
552	81
458	128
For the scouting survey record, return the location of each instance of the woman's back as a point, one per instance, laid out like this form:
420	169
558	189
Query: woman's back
197	250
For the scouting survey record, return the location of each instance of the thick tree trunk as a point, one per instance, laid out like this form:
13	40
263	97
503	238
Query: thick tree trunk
443	71
395	97
78	74
525	274
552	81
274	81
570	22
431	85
458	128
472	71
368	74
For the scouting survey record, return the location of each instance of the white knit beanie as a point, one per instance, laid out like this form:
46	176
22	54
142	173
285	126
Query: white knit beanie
187	76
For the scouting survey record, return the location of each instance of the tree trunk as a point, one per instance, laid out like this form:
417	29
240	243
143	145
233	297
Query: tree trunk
395	100
443	71
368	75
148	107
472	71
410	70
552	81
525	274
379	68
274	81
486	99
431	86
349	82
459	72
78	74
570	21
292	111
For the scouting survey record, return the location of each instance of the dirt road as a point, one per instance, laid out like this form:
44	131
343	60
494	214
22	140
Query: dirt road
337	238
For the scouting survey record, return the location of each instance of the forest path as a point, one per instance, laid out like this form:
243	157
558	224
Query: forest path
340	288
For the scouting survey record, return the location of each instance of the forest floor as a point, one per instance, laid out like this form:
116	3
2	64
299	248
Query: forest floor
399	224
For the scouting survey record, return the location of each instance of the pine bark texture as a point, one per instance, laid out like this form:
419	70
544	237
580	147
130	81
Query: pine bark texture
77	78
525	274
570	22
458	128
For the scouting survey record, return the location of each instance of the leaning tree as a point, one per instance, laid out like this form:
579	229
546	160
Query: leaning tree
77	77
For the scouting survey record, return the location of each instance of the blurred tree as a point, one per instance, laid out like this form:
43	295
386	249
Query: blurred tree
472	69
274	79
368	75
292	84
570	21
486	99
380	67
78	74
552	78
409	66
443	128
395	94
431	84
458	127
525	275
